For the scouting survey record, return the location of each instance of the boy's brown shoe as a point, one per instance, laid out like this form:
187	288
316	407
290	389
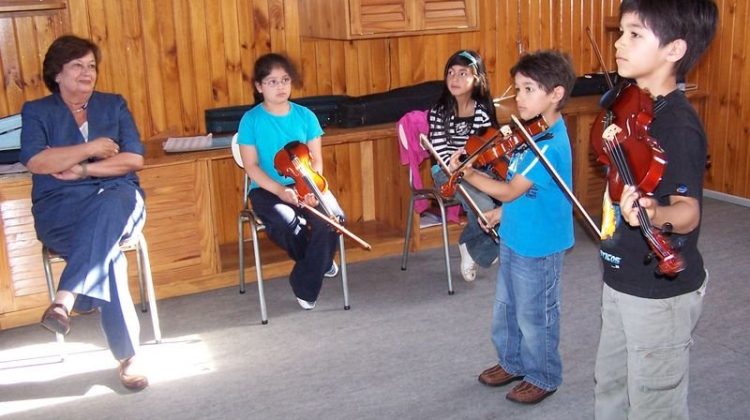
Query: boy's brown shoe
497	376
526	393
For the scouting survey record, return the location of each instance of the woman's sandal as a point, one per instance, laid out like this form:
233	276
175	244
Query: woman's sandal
134	382
56	319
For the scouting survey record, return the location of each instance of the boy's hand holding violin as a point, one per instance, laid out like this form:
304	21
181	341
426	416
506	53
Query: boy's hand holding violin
630	211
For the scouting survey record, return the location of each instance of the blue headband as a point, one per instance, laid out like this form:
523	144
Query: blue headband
472	60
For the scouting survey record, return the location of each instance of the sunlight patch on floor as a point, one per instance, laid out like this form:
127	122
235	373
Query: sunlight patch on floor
22	367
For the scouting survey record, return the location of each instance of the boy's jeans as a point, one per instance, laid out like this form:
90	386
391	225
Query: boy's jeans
526	317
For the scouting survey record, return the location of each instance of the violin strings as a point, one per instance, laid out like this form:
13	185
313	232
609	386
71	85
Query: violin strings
618	158
617	155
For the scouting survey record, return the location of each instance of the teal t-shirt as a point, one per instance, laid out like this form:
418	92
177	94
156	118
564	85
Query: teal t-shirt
540	222
270	133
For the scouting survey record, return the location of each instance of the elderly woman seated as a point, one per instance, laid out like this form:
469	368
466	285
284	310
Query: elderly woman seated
83	148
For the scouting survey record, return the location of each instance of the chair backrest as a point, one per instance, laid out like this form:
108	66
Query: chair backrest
236	151
238	160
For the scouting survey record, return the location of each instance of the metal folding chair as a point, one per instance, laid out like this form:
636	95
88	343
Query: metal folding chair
248	216
136	243
432	194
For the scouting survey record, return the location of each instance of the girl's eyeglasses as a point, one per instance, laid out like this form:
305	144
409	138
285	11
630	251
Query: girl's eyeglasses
274	83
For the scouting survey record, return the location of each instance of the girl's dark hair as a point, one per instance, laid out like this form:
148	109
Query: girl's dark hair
550	69
693	21
266	63
62	51
447	106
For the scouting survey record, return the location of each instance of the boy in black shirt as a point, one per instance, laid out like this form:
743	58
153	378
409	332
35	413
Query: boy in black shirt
642	361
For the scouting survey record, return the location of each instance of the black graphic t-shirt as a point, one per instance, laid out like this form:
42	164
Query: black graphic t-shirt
677	129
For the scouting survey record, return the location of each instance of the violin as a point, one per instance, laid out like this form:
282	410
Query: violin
294	161
620	138
425	142
492	149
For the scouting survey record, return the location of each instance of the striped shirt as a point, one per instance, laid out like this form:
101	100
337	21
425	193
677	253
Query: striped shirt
447	138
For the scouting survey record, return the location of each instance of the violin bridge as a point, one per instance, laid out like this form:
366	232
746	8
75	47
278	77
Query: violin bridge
506	131
610	133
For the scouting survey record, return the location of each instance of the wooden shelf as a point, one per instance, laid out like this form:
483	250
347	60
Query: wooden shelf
31	6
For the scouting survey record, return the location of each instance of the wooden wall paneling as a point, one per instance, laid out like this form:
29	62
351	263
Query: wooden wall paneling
22	250
30	60
400	72
488	34
389	184
291	28
79	18
201	70
379	64
261	38
742	129
216	54
230	25
116	37
168	66
184	57
351	58
276	22
99	33
226	191
248	45
723	154
155	87
47	27
365	68
369	175
343	167
179	222
315	67
508	43
442	46
224	38
134	61
11	98
338	63
716	57
571	30
416	63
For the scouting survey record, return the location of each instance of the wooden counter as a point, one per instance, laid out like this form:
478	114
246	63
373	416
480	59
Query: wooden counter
193	200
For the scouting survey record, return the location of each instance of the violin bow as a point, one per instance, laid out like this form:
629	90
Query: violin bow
555	175
424	141
337	225
600	58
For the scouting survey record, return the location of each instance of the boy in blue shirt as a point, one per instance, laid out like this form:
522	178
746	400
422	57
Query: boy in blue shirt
536	231
642	363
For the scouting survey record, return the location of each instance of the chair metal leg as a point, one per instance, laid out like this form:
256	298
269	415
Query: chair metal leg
241	250
51	290
144	266
141	281
407	235
259	273
444	225
344	277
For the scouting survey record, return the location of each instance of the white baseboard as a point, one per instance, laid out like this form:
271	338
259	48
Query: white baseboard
740	201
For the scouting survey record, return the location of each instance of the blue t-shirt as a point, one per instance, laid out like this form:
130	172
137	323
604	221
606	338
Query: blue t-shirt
270	133
540	222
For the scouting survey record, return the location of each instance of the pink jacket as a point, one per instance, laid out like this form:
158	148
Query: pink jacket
411	153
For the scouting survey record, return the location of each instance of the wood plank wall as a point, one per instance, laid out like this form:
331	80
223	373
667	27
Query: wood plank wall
172	59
